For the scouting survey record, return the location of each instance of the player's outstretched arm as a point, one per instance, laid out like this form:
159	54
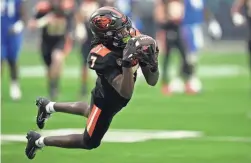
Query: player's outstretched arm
148	58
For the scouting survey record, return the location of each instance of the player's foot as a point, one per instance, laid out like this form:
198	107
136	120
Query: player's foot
42	114
193	86
166	90
15	91
31	146
189	89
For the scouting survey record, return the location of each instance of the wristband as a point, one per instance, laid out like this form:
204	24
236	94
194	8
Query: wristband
126	64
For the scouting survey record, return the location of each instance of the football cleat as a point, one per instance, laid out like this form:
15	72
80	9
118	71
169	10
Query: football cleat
31	146
42	114
15	91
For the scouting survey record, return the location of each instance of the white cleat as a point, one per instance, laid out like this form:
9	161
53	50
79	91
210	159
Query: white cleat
15	91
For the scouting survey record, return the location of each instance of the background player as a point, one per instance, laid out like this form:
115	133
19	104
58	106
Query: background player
169	16
196	15
13	18
87	7
115	57
56	19
238	19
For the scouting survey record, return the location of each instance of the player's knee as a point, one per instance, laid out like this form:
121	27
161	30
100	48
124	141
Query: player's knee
58	56
90	143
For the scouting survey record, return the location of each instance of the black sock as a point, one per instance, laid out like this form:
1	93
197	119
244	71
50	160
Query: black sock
53	88
13	70
187	68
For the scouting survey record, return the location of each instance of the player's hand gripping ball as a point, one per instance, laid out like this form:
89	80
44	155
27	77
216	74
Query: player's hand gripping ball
147	51
141	49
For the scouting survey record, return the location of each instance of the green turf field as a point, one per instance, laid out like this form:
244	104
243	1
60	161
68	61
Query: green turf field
216	124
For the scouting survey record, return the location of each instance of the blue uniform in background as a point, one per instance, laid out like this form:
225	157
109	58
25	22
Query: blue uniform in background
192	24
10	43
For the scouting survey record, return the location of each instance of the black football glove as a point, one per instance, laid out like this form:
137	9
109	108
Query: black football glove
147	51
130	54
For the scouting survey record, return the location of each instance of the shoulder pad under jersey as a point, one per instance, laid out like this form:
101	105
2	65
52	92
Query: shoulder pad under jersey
100	58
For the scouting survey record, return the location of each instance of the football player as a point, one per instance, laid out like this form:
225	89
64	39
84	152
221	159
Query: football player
191	14
169	16
197	14
13	18
117	51
56	20
239	19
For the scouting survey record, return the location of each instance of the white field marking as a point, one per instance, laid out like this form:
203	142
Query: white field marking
132	136
114	135
205	71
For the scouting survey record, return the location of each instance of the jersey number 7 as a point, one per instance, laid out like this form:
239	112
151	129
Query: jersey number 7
93	58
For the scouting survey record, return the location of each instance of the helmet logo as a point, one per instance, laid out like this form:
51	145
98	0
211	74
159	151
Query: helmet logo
102	22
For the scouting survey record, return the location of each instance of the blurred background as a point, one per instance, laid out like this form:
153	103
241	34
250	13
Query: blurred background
212	126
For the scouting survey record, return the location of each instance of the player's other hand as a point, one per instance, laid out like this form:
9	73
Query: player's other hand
17	28
147	51
214	29
238	19
130	54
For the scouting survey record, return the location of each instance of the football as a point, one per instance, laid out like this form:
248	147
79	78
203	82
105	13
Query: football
147	48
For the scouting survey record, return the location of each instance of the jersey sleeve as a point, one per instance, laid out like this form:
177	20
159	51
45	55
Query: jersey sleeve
100	58
103	62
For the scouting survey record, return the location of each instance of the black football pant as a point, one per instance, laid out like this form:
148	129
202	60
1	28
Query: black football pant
98	123
174	40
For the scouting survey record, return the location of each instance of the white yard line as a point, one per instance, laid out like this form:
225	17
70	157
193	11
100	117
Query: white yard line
131	136
205	71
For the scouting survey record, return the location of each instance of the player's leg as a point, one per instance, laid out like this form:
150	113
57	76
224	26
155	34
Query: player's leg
47	107
193	40
46	52
186	68
171	37
57	59
165	76
13	51
3	55
97	125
